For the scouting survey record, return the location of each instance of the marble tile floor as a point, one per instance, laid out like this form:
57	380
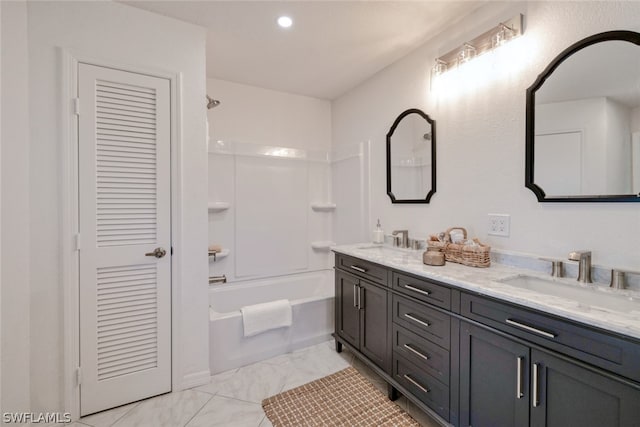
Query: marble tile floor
233	398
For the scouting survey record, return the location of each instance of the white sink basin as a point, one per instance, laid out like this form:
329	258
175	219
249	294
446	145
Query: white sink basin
587	296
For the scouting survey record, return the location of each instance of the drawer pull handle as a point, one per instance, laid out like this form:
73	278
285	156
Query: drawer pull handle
359	298
416	352
530	329
415	383
535	402
360	269
420	291
519	392
410	317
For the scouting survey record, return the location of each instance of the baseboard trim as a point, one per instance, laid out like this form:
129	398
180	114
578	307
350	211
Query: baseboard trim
195	379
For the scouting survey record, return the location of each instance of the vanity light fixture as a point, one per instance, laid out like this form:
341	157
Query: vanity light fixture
439	68
467	52
285	21
501	36
487	41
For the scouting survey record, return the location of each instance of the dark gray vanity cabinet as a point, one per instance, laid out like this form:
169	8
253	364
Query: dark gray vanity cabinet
362	317
494	379
568	394
479	361
506	381
374	324
347	312
421	357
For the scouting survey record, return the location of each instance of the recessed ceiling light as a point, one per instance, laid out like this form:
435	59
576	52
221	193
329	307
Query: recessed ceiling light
285	21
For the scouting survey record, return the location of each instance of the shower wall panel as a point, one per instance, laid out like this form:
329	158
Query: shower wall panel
269	225
271	216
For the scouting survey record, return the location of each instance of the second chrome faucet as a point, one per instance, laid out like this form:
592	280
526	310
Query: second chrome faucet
584	266
404	237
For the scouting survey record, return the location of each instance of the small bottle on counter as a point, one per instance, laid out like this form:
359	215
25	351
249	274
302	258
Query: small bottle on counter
378	234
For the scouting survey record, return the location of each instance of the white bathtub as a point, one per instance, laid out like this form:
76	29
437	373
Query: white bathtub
312	301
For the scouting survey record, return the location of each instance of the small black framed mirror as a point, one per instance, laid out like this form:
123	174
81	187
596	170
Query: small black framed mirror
583	123
411	158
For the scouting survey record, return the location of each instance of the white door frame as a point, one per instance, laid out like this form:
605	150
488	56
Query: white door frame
70	267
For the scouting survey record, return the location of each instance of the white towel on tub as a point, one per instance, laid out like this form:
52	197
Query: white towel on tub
259	318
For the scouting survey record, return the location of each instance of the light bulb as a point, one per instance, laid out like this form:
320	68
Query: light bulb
285	21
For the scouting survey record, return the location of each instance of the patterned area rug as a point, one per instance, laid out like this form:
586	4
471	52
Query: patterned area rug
345	398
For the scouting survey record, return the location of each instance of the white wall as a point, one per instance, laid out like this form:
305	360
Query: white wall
267	117
1	209
110	31
635	162
481	136
350	180
15	210
604	129
618	148
588	118
269	226
635	119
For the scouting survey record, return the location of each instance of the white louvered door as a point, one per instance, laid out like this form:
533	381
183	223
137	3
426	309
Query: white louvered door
124	210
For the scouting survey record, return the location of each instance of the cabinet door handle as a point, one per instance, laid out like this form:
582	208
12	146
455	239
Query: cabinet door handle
420	291
416	352
519	392
359	298
415	383
360	269
530	328
534	398
355	296
410	317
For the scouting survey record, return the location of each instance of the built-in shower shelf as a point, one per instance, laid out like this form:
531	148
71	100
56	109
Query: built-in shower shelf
219	206
322	245
323	207
219	255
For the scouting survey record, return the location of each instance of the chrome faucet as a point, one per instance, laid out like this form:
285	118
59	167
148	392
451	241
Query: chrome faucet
404	237
556	266
617	279
213	280
584	268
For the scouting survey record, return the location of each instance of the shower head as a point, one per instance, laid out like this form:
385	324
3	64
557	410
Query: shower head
211	103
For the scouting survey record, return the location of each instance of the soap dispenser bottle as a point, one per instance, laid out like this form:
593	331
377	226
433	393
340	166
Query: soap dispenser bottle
378	234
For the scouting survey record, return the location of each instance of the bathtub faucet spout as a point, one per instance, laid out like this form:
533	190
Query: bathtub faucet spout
217	279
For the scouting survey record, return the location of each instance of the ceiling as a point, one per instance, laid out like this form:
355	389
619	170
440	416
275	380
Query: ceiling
331	47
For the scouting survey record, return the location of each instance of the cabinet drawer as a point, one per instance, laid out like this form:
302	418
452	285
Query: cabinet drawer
596	347
373	272
422	385
424	321
429	357
424	290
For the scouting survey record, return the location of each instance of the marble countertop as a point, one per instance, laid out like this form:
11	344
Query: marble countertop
487	281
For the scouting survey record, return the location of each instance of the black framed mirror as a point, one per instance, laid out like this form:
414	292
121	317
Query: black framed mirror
411	158
583	123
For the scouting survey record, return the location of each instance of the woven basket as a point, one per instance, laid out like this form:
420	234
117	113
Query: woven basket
473	256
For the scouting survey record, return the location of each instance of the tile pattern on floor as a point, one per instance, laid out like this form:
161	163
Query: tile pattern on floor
234	398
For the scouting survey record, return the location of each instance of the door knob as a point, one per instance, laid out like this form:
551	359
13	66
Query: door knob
157	252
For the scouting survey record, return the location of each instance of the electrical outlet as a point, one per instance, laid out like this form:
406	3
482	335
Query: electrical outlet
499	224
